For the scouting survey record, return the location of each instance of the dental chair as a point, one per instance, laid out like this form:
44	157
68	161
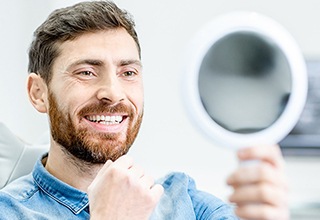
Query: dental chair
17	158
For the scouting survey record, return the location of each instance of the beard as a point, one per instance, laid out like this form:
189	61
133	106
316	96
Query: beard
87	145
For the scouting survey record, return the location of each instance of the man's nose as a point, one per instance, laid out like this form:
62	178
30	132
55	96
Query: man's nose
110	89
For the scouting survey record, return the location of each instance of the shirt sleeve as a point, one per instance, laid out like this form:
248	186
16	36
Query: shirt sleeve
183	201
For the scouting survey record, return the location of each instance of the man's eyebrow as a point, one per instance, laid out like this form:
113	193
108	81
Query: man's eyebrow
96	62
130	62
92	62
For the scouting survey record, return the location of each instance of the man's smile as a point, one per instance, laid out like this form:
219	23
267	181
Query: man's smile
106	119
108	123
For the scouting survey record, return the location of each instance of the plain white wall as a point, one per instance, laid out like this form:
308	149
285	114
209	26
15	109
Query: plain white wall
167	140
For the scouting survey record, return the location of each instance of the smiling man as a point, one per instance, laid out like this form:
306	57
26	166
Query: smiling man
86	74
95	97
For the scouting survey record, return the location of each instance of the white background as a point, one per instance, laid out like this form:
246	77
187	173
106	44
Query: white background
167	141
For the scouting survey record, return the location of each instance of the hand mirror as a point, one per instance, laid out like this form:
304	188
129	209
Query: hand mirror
245	80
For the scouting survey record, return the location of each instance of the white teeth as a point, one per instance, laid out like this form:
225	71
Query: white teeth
106	119
118	118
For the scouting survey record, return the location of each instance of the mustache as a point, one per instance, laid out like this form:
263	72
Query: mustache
103	107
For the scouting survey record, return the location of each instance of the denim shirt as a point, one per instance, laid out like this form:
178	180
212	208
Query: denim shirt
40	195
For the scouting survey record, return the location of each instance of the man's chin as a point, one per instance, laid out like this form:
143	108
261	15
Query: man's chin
104	150
104	140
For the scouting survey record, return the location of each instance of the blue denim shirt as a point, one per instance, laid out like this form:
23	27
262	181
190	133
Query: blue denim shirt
40	195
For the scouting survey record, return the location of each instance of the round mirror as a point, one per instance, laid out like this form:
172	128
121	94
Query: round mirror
245	81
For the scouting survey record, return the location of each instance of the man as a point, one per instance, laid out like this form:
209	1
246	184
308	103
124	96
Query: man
86	74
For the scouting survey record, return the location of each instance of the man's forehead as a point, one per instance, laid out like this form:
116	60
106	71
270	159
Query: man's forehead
94	47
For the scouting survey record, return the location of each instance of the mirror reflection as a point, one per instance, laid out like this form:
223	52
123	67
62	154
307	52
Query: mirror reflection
244	82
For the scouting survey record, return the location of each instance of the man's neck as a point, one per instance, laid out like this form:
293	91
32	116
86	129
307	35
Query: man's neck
69	169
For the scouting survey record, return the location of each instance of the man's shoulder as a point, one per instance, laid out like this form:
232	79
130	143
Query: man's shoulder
19	190
14	196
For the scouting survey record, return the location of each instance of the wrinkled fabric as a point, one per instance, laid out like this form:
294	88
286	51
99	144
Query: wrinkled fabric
40	195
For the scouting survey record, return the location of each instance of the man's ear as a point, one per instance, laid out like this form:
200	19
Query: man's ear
37	92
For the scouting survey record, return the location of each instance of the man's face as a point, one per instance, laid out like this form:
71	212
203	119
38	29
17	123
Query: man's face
95	96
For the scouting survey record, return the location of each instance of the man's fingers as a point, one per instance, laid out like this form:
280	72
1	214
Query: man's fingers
124	161
260	172
132	173
136	171
270	154
157	191
259	193
260	189
147	181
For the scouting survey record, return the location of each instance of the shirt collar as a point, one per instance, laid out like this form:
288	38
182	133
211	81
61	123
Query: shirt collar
63	193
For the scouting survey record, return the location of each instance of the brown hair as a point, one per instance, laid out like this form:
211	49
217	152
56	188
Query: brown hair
70	22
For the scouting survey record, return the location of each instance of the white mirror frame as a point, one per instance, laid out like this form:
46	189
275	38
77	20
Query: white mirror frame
199	46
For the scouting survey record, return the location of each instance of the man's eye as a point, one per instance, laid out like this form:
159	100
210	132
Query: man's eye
129	73
86	73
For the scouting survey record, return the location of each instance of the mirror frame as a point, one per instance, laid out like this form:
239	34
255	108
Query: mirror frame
262	26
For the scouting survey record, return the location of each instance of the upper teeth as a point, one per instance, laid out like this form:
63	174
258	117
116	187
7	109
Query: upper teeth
105	119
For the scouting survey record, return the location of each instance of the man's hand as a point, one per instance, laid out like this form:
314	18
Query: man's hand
260	189
122	190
